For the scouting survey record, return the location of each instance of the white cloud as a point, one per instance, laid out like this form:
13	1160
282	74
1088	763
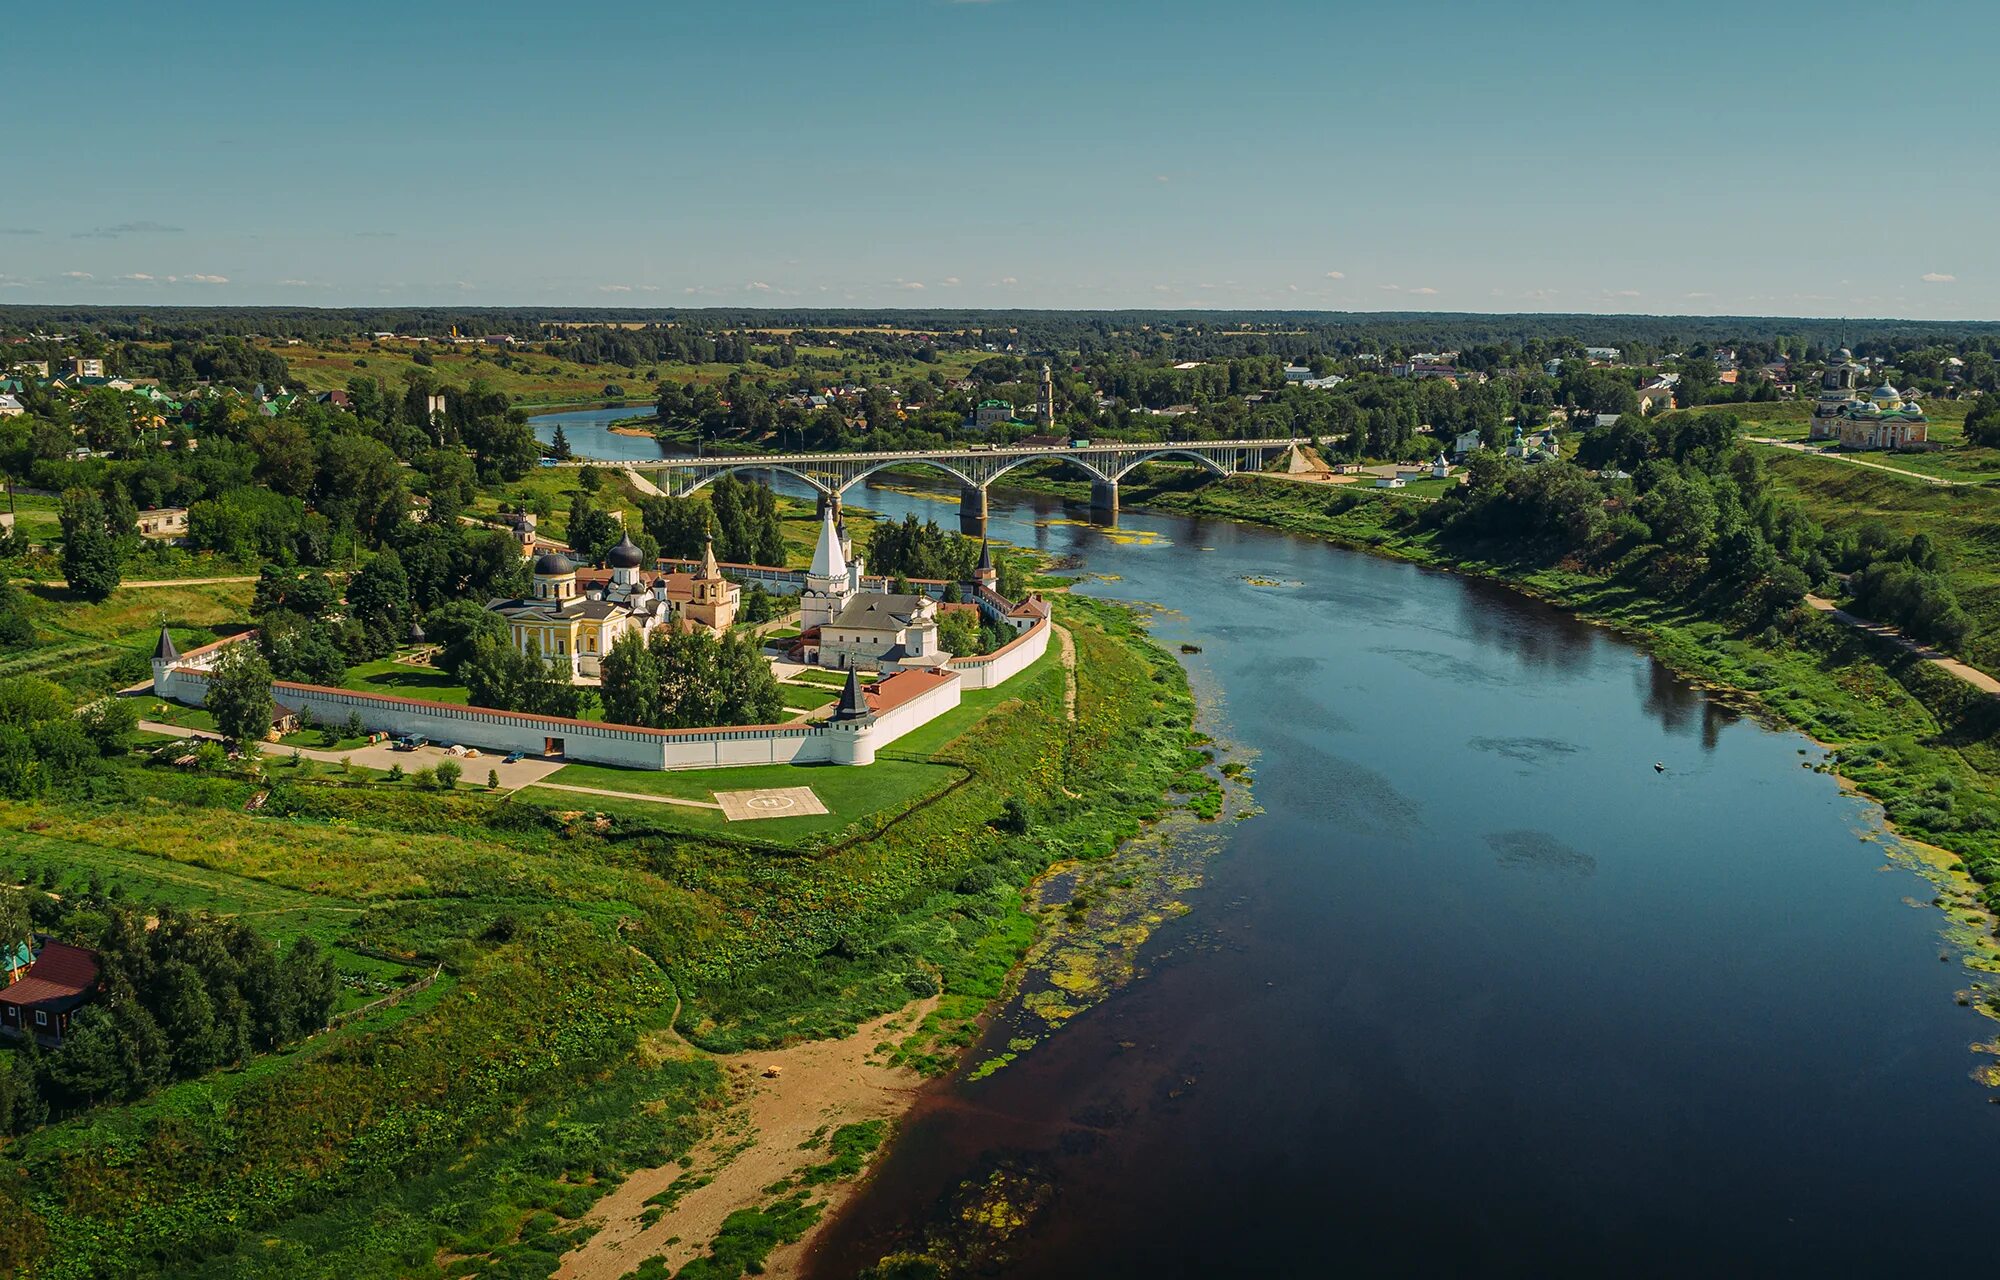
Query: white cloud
649	288
909	284
78	275
199	278
1336	275
950	280
1424	290
1390	288
1008	280
1163	288
136	275
296	284
758	286
1161	177
1625	293
614	288
1938	277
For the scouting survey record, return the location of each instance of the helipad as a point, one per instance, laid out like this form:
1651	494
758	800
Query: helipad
774	802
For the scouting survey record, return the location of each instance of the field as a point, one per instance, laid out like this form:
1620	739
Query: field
530	378
401	680
92	648
1965	521
481	1117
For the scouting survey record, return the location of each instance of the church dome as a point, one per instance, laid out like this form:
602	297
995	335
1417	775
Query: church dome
1886	396
553	564
625	555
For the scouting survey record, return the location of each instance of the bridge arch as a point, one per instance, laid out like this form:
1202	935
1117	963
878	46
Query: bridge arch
934	463
1206	462
756	464
1074	460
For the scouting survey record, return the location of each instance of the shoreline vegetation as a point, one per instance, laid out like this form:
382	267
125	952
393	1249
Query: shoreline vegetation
1895	729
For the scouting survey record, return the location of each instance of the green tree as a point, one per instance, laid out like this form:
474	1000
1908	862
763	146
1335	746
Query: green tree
239	695
630	682
90	555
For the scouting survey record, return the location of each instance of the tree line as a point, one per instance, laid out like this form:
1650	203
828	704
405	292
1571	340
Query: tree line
179	995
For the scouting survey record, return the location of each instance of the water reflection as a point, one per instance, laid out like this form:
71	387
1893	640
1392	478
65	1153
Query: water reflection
1681	709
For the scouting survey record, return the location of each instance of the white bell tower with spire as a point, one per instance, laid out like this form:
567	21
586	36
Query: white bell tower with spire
831	581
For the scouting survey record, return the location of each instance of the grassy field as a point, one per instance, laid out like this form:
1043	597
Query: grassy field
93	648
1965	521
799	699
852	796
481	1119
401	680
531	378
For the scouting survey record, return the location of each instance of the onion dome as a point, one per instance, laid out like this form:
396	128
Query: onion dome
553	564
625	555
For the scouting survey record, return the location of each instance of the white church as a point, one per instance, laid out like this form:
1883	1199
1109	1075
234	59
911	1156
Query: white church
850	629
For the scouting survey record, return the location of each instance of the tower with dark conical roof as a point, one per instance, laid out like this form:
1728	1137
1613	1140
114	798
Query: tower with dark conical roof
853	702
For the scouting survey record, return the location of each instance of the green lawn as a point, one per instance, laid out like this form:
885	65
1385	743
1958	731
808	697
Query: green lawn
315	739
832	679
401	680
806	699
175	714
849	794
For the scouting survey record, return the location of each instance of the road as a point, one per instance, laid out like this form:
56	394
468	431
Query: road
1798	447
1883	631
381	756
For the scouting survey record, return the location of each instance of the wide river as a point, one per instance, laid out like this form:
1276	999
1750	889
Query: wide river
1479	989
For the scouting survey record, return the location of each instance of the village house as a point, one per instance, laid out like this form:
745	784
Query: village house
48	993
163	524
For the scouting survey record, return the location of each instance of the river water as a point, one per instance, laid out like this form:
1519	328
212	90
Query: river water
1479	989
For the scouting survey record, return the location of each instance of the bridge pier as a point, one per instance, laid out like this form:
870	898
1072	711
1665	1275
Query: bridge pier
972	511
1103	498
830	502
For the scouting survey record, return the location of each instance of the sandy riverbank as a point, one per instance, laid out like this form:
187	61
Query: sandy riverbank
774	1126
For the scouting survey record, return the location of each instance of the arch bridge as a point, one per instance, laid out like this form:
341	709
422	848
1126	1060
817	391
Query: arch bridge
832	474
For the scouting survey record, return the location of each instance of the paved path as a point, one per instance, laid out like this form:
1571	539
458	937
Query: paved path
1798	447
149	582
627	795
643	485
381	756
1881	630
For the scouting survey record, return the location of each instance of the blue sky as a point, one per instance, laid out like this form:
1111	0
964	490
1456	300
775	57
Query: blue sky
1822	159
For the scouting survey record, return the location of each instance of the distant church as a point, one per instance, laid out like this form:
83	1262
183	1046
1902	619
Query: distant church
1884	419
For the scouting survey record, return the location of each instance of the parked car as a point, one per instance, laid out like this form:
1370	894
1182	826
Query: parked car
513	757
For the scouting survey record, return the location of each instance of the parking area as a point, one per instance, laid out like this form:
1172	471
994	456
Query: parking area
383	755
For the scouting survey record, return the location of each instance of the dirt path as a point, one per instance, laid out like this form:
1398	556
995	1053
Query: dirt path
769	1132
1069	672
184	582
628	795
1883	631
1833	456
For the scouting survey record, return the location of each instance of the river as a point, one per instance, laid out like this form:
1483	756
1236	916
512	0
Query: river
1479	988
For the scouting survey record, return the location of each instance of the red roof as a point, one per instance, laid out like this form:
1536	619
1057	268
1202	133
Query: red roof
893	691
60	972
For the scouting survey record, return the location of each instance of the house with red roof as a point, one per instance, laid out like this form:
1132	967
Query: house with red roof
48	993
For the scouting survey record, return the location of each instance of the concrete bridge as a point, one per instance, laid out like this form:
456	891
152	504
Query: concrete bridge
974	467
